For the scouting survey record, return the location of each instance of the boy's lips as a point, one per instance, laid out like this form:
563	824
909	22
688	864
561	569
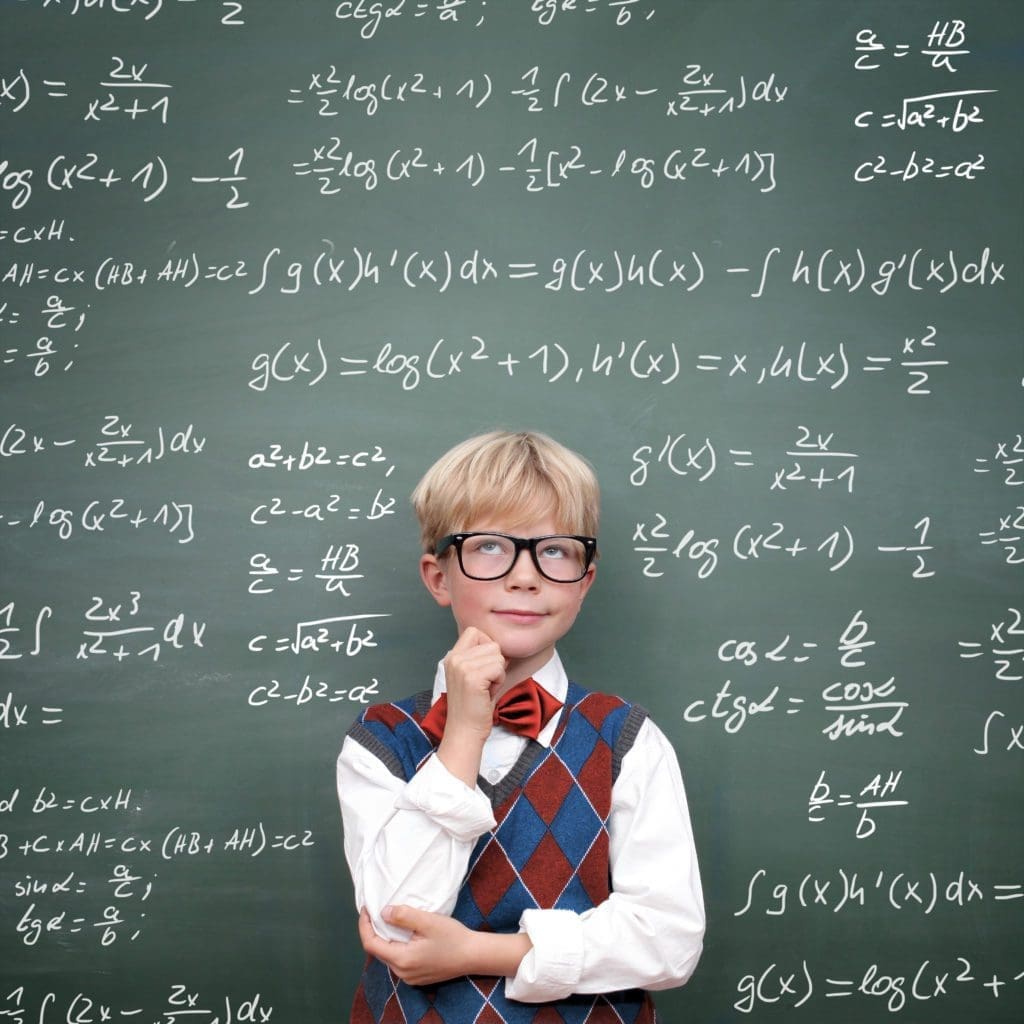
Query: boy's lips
519	614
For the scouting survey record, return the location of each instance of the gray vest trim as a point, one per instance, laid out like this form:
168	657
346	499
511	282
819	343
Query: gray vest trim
381	750
627	737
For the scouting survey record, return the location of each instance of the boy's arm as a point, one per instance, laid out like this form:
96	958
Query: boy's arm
409	843
441	947
649	932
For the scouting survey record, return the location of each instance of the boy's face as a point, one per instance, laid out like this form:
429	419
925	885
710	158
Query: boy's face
524	613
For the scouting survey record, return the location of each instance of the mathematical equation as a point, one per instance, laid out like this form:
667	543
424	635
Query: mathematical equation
860	707
183	1002
1006	647
122	639
655	540
998	730
343	634
127	90
954	111
945	43
1005	458
38	920
116	445
145	9
312	693
645	359
895	890
338	570
333	91
44	349
339	170
46	914
878	793
103	515
278	508
748	542
923	982
681	271
700	459
1008	534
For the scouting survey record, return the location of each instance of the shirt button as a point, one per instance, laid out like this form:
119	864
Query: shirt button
493	776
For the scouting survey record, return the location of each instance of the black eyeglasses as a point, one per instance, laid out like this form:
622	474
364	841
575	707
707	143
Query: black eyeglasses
561	558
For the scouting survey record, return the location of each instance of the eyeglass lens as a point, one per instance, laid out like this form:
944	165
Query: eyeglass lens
485	557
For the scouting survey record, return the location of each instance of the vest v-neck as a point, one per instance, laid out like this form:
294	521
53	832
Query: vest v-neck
500	791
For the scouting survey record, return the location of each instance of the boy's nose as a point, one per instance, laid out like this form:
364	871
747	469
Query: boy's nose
523	572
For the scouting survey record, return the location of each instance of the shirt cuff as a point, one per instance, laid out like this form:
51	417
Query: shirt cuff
552	968
464	813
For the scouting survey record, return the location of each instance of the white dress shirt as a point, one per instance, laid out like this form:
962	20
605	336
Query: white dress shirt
410	843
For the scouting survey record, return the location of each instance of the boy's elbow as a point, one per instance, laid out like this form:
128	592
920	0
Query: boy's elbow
687	950
687	964
679	939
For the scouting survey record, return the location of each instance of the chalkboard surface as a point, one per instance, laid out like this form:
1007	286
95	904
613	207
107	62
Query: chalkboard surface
262	262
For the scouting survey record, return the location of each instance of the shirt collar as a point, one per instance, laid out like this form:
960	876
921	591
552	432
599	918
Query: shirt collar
551	676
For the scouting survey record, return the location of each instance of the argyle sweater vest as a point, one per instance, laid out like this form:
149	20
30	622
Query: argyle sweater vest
549	849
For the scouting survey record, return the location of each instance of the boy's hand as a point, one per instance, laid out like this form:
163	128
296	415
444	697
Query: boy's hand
436	952
474	670
441	947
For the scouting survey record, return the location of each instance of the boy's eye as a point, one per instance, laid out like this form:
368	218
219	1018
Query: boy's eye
554	551
488	546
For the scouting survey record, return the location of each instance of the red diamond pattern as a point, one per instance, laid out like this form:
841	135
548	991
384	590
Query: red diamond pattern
597	707
361	1012
485	984
547	788
490	878
595	778
393	1013
594	870
547	873
388	714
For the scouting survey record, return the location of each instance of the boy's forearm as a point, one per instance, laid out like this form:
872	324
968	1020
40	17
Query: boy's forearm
495	954
460	754
441	948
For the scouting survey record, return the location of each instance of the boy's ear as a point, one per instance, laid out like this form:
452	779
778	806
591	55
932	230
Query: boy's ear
435	579
587	582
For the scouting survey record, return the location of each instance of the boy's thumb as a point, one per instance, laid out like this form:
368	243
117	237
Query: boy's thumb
402	917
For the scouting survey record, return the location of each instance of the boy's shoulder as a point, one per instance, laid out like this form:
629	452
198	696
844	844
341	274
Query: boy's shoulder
390	730
589	701
615	719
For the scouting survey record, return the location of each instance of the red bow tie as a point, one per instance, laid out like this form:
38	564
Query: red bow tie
525	710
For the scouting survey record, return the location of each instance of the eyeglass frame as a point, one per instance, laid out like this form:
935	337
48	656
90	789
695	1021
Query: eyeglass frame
521	544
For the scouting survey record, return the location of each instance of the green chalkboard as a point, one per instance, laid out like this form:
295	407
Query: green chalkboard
261	263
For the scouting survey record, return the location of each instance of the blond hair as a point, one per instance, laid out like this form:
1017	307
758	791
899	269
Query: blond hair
511	478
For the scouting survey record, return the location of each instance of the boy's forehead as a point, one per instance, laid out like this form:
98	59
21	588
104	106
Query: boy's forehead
534	517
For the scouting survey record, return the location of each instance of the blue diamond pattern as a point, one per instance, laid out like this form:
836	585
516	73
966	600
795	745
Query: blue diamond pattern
379	987
575	825
574	897
413	1001
520	832
506	913
576	745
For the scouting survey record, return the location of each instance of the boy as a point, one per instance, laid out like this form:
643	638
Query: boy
520	846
